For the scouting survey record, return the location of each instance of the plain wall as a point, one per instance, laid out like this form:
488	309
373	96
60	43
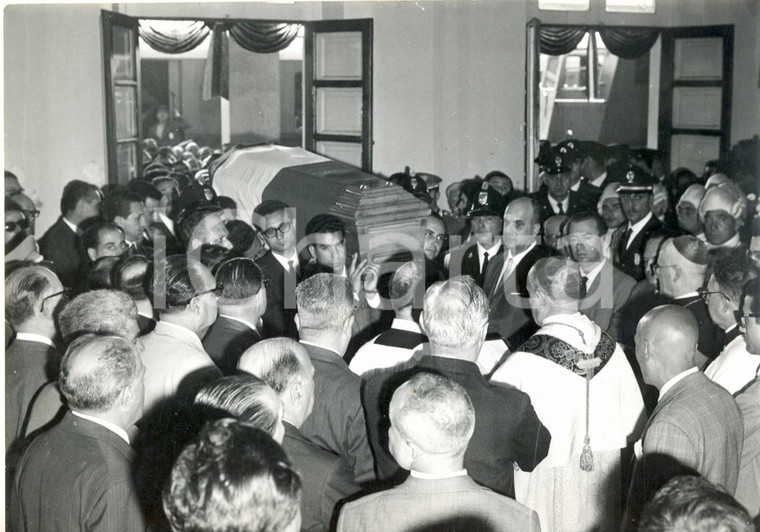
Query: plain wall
449	80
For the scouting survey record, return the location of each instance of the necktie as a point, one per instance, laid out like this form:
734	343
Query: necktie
485	263
624	240
560	208
291	269
507	273
584	286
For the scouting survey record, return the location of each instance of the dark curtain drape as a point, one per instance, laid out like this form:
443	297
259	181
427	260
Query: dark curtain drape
559	41
628	43
216	78
264	37
185	36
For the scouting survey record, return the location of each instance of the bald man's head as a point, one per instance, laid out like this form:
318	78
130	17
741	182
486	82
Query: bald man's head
666	342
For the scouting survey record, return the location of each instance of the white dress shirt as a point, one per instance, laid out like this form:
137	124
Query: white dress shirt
120	432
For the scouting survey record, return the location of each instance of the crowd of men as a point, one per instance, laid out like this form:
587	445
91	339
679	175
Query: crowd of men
585	357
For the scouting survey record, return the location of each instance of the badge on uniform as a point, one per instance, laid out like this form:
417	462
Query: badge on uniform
208	193
630	176
637	259
558	159
483	198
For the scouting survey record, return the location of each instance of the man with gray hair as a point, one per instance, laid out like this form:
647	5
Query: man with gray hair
325	318
432	421
89	452
397	344
285	366
682	272
32	296
455	319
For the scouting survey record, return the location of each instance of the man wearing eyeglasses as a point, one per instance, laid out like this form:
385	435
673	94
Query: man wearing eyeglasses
682	269
32	296
281	267
28	208
735	366
19	244
103	239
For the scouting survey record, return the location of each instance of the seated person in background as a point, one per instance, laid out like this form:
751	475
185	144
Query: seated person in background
722	211
586	394
554	230
124	208
32	297
687	210
432	420
128	275
78	475
241	306
693	503
484	245
60	243
281	266
284	364
508	432
234	477
682	273
735	366
612	214
325	320
397	344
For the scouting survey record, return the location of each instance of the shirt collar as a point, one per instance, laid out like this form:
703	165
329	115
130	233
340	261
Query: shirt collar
244	322
438	476
674	380
731	243
690	295
491	251
179	331
517	258
71	225
405	325
166	221
599	180
120	432
590	276
282	259
638	226
32	337
565	203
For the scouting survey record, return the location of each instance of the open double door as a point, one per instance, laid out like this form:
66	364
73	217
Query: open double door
337	92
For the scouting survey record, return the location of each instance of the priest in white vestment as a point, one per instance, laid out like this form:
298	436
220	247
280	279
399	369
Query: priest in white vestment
584	391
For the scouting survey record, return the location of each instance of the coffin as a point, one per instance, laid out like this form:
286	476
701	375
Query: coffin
381	218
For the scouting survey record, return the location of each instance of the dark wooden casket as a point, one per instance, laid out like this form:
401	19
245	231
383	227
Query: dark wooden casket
381	218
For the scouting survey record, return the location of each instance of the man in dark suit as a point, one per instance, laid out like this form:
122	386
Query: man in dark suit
327	478
325	320
60	243
151	199
682	271
559	198
124	208
241	306
636	199
89	451
576	153
508	432
32	296
474	255
604	289
281	266
433	420
506	277
696	424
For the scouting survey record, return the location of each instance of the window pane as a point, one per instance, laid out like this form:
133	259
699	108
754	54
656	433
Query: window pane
124	102
338	55
122	60
630	6
126	162
564	5
347	152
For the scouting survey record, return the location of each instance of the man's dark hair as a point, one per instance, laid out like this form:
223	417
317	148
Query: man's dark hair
74	191
581	217
190	221
144	189
694	504
497	173
118	203
241	235
91	235
213	255
751	289
325	223
267	207
226	202
234	477
128	275
241	278
731	272
99	276
181	275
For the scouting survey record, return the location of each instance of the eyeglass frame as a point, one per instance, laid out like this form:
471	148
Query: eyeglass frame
64	293
657	267
283	228
23	223
217	290
705	293
741	317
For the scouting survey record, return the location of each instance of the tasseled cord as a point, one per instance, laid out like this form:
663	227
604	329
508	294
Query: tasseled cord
587	457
